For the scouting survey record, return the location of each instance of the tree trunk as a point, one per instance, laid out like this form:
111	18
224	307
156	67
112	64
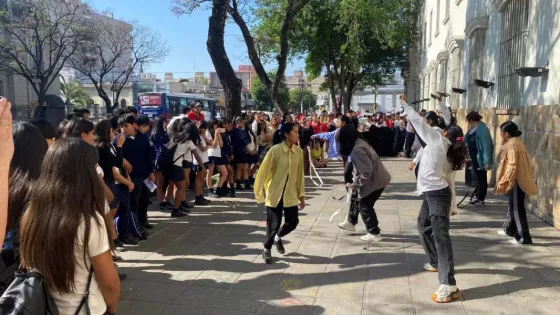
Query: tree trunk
294	7
215	45
108	103
330	83
251	50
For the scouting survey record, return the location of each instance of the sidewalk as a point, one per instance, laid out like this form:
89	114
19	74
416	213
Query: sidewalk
209	262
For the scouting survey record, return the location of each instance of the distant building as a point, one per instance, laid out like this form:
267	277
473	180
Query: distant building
297	81
384	99
246	73
168	77
148	76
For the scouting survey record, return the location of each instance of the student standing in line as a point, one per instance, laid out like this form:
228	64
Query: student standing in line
306	132
280	185
227	155
445	152
159	138
240	140
515	178
481	151
143	125
186	139
369	179
252	155
136	151
214	134
201	167
66	213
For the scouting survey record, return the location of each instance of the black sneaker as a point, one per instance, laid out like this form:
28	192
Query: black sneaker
267	256
119	245
239	187
129	239
248	186
232	193
122	275
280	247
148	225
221	192
165	206
183	209
177	213
212	193
187	205
476	202
202	202
144	234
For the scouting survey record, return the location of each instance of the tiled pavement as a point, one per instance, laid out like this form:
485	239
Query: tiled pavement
209	262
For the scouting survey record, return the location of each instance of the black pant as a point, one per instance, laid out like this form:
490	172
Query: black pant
143	203
348	169
274	219
409	141
480	177
517	225
365	208
433	227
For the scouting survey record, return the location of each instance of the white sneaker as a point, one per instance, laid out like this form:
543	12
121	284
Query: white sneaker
502	232
429	267
446	293
513	241
371	237
346	225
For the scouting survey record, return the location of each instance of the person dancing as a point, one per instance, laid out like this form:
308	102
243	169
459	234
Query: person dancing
280	185
445	152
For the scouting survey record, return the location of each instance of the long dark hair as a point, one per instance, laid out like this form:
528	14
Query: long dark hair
46	128
346	139
511	128
29	150
281	133
103	133
261	129
158	129
187	132
77	126
457	151
212	127
433	117
67	193
249	130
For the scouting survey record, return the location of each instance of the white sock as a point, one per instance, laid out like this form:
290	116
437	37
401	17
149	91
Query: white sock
277	238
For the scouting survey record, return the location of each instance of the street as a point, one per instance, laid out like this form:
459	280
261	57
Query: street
210	262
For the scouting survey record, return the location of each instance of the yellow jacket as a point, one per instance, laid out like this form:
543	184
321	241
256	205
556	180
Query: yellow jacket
515	166
281	171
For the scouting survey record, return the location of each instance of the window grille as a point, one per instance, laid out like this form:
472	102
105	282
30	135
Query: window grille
456	56
476	68
512	53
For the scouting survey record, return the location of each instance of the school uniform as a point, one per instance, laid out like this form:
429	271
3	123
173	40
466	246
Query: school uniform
203	157
181	159
110	157
214	153
239	140
252	158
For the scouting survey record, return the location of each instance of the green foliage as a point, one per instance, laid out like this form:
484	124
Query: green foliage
296	97
74	93
262	96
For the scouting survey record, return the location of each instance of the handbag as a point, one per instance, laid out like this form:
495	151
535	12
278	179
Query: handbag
27	295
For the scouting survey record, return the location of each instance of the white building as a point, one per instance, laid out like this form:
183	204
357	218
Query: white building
385	99
469	44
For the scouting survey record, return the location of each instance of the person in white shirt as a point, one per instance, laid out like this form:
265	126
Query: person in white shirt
445	152
171	127
214	134
200	167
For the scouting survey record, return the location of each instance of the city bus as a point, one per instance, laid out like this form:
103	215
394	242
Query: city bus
172	104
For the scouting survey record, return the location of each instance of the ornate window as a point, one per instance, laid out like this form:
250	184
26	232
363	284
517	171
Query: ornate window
515	17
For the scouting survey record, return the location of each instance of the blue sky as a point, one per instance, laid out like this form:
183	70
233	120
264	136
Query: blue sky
186	35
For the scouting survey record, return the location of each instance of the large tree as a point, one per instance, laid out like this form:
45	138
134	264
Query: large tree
38	38
115	54
353	43
284	11
263	97
73	91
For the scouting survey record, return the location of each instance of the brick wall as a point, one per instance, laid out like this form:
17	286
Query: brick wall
540	125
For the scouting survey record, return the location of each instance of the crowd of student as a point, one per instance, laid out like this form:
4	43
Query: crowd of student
83	189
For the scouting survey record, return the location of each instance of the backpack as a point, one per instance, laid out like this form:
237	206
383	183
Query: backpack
27	295
165	160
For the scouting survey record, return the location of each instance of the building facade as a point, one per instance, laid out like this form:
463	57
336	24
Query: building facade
480	53
246	73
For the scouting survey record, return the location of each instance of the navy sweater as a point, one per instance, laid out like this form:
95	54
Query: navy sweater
136	150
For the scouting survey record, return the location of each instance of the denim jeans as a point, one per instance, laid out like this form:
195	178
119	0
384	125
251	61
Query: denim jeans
433	227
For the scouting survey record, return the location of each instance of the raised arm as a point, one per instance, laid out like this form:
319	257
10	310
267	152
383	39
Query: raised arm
445	111
424	131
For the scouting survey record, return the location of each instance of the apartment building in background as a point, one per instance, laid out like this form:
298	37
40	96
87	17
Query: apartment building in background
246	73
501	58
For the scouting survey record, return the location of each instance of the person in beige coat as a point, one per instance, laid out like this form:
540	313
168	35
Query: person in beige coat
515	178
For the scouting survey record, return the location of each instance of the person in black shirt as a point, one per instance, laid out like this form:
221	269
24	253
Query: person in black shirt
305	133
227	154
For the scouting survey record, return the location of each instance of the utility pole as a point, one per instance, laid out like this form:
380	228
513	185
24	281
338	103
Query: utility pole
301	99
